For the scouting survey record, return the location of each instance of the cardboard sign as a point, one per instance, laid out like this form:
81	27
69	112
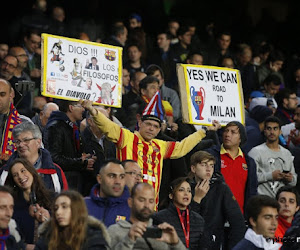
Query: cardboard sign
74	69
210	93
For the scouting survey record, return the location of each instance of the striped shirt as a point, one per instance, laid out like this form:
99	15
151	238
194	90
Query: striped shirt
148	155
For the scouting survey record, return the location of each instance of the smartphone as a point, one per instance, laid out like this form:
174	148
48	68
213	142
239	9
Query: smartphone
32	197
285	171
152	232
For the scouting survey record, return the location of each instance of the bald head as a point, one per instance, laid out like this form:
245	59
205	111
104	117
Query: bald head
5	96
46	112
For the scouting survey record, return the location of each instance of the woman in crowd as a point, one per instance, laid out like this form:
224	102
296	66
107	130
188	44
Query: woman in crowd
70	226
188	224
32	199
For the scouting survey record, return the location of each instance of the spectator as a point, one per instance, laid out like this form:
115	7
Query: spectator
287	102
288	199
10	234
130	235
70	226
182	48
135	62
213	199
95	143
28	138
41	118
167	93
234	164
33	199
262	212
63	140
9	116
132	173
140	145
108	198
188	224
274	163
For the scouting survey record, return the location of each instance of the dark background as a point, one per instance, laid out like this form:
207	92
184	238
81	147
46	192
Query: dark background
277	21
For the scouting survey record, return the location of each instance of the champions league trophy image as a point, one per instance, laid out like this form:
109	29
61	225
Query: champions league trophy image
198	100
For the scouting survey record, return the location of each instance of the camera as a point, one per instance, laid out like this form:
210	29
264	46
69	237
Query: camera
152	232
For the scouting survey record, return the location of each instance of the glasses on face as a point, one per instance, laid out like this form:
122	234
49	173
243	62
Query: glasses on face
6	64
25	141
148	124
293	98
132	173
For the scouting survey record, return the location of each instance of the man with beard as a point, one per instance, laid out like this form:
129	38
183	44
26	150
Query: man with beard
275	167
130	234
108	199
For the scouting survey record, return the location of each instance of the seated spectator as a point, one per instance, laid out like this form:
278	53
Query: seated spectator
188	224
262	215
108	199
129	235
195	57
213	199
33	199
27	138
133	173
288	199
70	226
270	87
10	236
182	48
274	163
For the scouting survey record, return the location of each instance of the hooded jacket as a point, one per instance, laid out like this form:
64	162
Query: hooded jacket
96	236
109	210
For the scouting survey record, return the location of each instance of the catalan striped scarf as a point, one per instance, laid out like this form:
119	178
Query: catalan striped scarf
7	145
3	237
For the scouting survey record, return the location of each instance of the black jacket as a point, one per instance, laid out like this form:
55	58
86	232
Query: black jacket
97	237
251	185
59	141
217	207
170	216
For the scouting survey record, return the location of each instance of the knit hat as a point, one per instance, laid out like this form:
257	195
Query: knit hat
242	131
260	112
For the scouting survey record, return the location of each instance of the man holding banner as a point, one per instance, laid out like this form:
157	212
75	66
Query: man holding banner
142	146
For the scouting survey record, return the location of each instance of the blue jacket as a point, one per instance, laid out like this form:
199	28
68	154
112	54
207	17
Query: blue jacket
109	210
53	176
246	245
251	185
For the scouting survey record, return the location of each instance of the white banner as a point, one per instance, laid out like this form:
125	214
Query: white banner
74	69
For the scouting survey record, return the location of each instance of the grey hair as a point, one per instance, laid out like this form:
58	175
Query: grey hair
27	127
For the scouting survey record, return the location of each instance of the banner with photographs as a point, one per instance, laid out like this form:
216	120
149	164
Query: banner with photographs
74	69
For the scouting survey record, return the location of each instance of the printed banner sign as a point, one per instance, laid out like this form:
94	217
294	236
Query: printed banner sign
210	93
74	69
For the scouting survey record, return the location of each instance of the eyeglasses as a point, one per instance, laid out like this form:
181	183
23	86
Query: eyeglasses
293	98
134	174
6	64
25	141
